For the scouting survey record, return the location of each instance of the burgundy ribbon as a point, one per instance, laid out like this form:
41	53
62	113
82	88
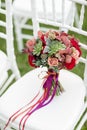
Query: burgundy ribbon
45	99
48	98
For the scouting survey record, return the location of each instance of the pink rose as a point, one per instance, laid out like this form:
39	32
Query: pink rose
41	36
40	33
66	40
52	61
68	59
75	44
75	54
30	44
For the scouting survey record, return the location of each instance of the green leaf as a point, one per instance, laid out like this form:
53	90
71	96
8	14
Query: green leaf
38	63
55	46
37	48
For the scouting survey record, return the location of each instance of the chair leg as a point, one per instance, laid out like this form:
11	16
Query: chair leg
83	117
82	122
2	124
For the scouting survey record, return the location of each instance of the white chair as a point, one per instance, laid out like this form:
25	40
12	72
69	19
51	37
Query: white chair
2	4
7	58
22	14
65	110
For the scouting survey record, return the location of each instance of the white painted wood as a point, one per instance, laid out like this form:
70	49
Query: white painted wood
7	58
82	122
0	3
81	17
65	26
2	23
3	11
23	11
2	35
61	113
85	76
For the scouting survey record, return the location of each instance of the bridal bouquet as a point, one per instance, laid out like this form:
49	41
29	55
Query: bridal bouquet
55	50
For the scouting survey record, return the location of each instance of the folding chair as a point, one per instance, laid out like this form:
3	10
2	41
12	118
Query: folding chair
22	15
7	58
64	112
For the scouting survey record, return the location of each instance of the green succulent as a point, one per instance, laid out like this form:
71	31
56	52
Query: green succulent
55	46
37	48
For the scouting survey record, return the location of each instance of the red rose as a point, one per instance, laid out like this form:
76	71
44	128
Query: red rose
42	37
75	44
31	60
70	65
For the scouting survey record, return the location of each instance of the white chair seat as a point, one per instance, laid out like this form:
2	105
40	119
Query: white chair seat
59	114
23	8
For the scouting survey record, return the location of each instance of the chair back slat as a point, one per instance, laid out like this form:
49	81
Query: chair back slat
2	23
73	13
85	76
2	11
3	3
44	8
81	17
53	10
83	60
2	35
63	11
83	45
82	2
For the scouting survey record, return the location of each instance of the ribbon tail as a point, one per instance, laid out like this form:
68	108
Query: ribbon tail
19	112
37	106
42	103
30	111
43	100
54	92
